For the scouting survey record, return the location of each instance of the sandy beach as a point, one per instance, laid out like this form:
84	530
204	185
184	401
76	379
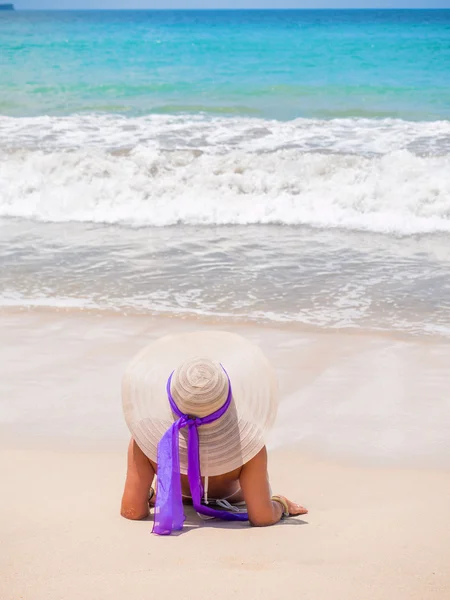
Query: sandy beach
378	521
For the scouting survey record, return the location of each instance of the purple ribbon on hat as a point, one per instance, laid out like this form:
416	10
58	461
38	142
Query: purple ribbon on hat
169	514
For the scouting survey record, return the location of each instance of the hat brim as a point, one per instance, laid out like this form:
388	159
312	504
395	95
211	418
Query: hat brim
225	444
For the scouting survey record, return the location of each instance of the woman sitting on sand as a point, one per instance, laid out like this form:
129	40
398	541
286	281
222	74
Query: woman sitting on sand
204	418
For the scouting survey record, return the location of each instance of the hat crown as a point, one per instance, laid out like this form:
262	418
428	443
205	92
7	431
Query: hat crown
199	387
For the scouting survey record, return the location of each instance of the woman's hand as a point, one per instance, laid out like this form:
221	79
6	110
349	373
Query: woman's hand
295	509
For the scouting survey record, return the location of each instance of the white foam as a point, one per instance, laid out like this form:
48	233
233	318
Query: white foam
397	192
115	132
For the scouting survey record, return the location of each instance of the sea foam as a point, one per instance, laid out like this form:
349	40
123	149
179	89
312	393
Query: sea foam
383	176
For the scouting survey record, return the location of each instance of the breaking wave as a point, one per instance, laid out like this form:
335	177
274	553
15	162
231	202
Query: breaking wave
384	176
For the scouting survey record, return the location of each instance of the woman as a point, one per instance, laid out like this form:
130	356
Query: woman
198	405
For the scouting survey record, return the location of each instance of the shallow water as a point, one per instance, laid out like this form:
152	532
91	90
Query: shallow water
299	274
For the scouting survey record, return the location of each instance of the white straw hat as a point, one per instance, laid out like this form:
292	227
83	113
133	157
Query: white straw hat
199	387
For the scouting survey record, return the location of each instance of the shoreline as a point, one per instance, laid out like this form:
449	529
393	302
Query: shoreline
221	321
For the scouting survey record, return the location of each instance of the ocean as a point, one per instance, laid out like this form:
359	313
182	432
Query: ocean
265	166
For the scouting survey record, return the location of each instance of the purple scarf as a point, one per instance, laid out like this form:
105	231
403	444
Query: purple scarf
169	515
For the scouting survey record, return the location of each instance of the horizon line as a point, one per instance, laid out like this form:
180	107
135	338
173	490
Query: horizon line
366	8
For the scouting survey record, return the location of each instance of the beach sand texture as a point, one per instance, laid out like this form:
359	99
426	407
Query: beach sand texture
374	531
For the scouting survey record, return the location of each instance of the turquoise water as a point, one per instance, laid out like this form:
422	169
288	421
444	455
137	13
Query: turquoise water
269	64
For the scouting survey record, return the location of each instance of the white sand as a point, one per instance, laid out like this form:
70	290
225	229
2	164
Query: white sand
373	532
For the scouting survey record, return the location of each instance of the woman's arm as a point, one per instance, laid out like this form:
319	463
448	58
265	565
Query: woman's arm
140	476
254	480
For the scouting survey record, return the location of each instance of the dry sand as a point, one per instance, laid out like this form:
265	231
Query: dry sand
376	530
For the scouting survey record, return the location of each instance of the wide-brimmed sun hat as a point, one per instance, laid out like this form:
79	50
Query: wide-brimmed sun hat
202	364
